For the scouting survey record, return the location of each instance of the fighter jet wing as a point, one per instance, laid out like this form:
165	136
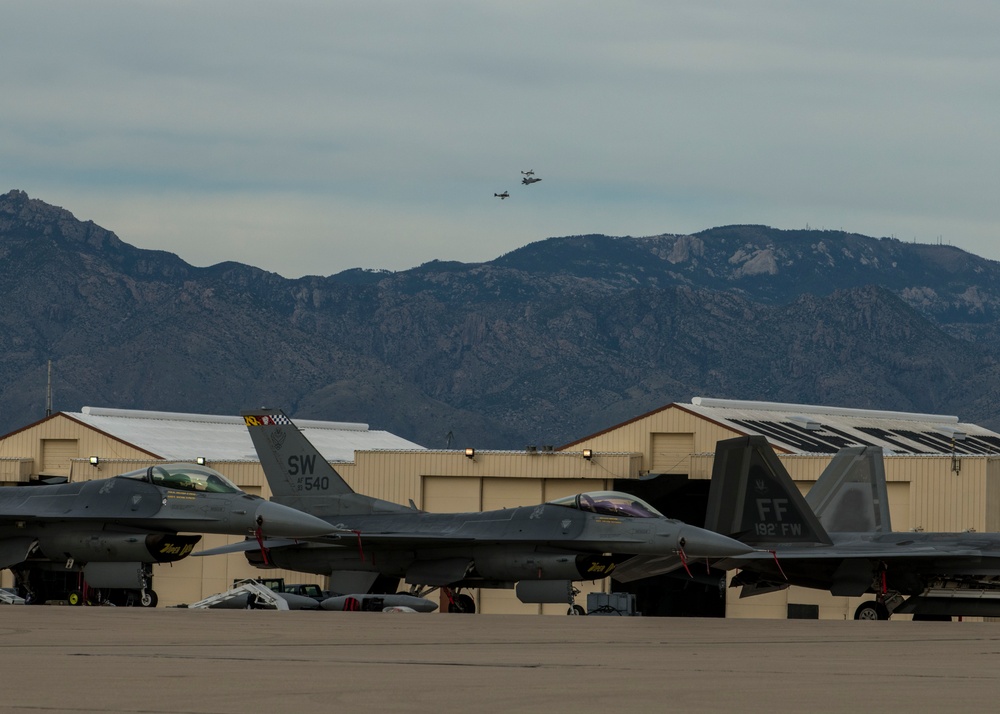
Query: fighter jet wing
402	540
249	544
646	566
915	551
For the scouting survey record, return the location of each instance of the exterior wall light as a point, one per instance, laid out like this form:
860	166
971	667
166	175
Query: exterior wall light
95	460
200	461
470	453
588	454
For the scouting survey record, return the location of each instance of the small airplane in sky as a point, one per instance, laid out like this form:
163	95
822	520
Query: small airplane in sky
529	172
527	180
502	196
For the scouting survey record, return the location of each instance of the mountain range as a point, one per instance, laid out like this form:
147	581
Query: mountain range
543	345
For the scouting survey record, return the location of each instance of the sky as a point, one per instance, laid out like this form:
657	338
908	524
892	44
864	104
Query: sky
311	137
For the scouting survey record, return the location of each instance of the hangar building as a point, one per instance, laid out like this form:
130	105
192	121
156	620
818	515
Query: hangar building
943	475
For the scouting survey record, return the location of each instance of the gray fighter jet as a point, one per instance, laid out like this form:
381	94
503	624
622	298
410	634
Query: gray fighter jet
839	538
113	529
580	537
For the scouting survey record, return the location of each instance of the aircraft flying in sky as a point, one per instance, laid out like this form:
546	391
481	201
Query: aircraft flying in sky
502	196
112	529
528	180
529	172
838	538
580	537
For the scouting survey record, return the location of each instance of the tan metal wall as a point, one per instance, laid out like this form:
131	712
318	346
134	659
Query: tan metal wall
637	436
15	470
945	499
28	443
992	501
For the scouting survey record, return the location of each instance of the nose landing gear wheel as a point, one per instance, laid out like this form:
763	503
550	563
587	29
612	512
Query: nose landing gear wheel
148	598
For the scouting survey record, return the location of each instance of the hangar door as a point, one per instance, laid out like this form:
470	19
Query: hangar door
446	494
56	456
671	453
899	505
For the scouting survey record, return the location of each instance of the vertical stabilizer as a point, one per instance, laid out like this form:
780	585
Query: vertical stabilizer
294	469
752	497
850	495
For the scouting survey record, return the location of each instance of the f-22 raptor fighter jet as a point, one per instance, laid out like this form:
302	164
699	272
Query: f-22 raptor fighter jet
581	537
838	537
116	527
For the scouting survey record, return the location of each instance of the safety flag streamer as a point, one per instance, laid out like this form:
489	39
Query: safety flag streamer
259	533
774	554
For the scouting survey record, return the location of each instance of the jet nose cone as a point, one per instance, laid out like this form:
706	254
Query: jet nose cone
282	521
700	543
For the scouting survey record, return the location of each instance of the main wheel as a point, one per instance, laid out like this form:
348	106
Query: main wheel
576	610
75	598
871	610
462	603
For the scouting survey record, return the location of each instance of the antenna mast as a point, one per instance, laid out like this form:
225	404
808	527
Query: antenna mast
48	393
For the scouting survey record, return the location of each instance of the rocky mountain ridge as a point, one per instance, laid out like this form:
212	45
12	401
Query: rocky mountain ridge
542	345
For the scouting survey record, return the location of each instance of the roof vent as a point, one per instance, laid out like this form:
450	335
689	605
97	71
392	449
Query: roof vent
805	422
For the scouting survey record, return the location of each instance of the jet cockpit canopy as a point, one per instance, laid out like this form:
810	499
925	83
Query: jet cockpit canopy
191	477
609	503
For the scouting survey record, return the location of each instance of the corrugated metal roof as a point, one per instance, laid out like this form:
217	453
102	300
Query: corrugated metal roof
810	429
176	437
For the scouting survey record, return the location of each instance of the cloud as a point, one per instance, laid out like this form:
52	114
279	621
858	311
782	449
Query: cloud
374	134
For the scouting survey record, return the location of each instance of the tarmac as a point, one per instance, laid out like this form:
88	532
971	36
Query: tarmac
105	659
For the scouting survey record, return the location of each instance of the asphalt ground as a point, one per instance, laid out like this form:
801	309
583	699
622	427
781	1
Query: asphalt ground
63	659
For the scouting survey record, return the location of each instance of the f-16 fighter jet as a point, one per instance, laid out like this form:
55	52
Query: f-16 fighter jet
116	527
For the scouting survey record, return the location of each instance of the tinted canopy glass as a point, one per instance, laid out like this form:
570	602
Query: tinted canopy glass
609	503
191	477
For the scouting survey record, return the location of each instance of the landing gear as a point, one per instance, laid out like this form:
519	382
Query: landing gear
462	603
148	598
574	609
871	610
885	602
75	598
